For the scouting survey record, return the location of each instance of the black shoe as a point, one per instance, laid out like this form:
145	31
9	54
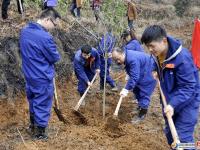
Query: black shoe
72	13
4	16
101	87
40	134
142	113
141	116
138	108
31	129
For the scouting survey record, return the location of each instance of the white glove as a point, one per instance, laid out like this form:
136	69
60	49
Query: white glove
89	83
124	92
169	110
98	71
127	77
109	55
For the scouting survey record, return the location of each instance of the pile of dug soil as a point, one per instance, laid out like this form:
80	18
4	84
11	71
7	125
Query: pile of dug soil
94	135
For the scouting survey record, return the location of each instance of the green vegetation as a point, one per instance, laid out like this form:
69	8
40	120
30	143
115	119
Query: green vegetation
112	12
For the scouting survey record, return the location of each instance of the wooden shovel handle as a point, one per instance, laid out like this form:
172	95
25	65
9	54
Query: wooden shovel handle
55	94
118	106
170	120
85	93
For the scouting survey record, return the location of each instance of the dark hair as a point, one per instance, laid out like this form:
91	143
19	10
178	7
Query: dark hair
153	33
50	13
130	32
86	49
118	49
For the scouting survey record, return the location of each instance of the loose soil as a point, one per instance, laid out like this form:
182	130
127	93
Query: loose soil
147	135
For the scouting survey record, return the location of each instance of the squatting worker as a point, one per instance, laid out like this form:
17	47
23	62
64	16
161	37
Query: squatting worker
86	64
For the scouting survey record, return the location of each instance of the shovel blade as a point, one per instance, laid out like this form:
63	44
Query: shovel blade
81	117
60	115
113	123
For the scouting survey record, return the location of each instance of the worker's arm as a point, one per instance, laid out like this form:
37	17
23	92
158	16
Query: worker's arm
184	88
50	51
133	75
79	69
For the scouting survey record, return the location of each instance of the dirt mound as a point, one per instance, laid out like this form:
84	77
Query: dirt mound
145	136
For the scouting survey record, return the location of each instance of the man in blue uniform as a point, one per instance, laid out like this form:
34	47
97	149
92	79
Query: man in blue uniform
86	64
130	42
105	46
179	81
141	82
39	54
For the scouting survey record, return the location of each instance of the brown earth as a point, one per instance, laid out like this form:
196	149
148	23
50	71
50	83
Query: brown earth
95	134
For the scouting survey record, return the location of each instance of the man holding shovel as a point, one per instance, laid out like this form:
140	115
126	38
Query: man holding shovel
179	82
39	54
138	66
86	64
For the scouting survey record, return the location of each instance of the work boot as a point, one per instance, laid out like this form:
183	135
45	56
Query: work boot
72	12
4	16
138	108
40	134
101	88
31	129
141	116
114	89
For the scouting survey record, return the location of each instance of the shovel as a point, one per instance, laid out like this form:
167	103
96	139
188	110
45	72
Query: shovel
21	7
56	107
113	121
170	121
76	112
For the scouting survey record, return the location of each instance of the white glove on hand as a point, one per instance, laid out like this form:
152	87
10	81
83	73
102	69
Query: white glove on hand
127	77
89	83
169	110
124	92
98	71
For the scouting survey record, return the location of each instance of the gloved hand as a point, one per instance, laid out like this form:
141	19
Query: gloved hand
109	55
127	77
169	110
155	75
89	83
124	92
98	71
